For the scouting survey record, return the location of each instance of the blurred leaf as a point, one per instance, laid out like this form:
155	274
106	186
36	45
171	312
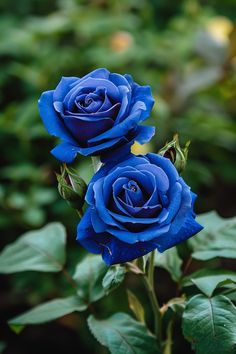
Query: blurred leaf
113	278
3	346
123	335
21	172
209	324
170	261
42	196
33	216
89	275
208	280
211	50
217	239
41	250
136	306
48	311
198	80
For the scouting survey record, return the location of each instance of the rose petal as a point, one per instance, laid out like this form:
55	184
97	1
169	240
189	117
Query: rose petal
166	165
101	207
188	229
116	251
63	87
51	120
85	130
65	152
87	236
147	234
143	94
120	129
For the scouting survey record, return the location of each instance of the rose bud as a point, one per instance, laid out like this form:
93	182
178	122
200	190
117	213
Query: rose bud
177	155
71	187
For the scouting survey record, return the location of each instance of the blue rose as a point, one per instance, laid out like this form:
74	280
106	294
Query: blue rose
136	206
98	114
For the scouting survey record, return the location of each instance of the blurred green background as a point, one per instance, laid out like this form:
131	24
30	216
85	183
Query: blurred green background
185	50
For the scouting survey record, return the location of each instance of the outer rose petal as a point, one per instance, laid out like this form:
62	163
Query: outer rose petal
63	87
188	229
116	251
65	152
51	120
87	236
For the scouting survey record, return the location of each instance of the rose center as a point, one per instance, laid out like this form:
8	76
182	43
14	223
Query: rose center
86	102
132	194
133	188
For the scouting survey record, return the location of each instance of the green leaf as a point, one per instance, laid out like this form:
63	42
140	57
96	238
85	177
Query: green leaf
113	278
3	346
209	324
217	239
123	335
136	306
170	261
208	280
16	328
89	275
41	250
205	255
49	311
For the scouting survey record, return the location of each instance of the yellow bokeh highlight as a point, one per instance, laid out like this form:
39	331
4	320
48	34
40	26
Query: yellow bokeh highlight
219	28
138	149
121	41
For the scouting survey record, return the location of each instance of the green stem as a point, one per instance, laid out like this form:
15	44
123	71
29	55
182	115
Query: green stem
69	279
149	285
168	344
80	213
151	268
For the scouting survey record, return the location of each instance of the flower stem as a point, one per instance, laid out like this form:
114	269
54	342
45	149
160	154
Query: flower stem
149	285
69	279
168	344
151	266
80	213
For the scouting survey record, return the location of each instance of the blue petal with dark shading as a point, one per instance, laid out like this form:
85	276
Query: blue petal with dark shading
117	251
188	229
51	120
63	87
88	237
85	130
65	152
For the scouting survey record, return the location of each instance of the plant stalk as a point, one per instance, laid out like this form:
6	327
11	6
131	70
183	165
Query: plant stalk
149	285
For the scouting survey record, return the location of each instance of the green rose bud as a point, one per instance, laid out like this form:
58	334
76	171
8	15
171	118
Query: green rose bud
177	155
71	187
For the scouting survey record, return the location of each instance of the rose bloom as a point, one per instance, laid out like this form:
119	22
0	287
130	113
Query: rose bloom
136	206
98	114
